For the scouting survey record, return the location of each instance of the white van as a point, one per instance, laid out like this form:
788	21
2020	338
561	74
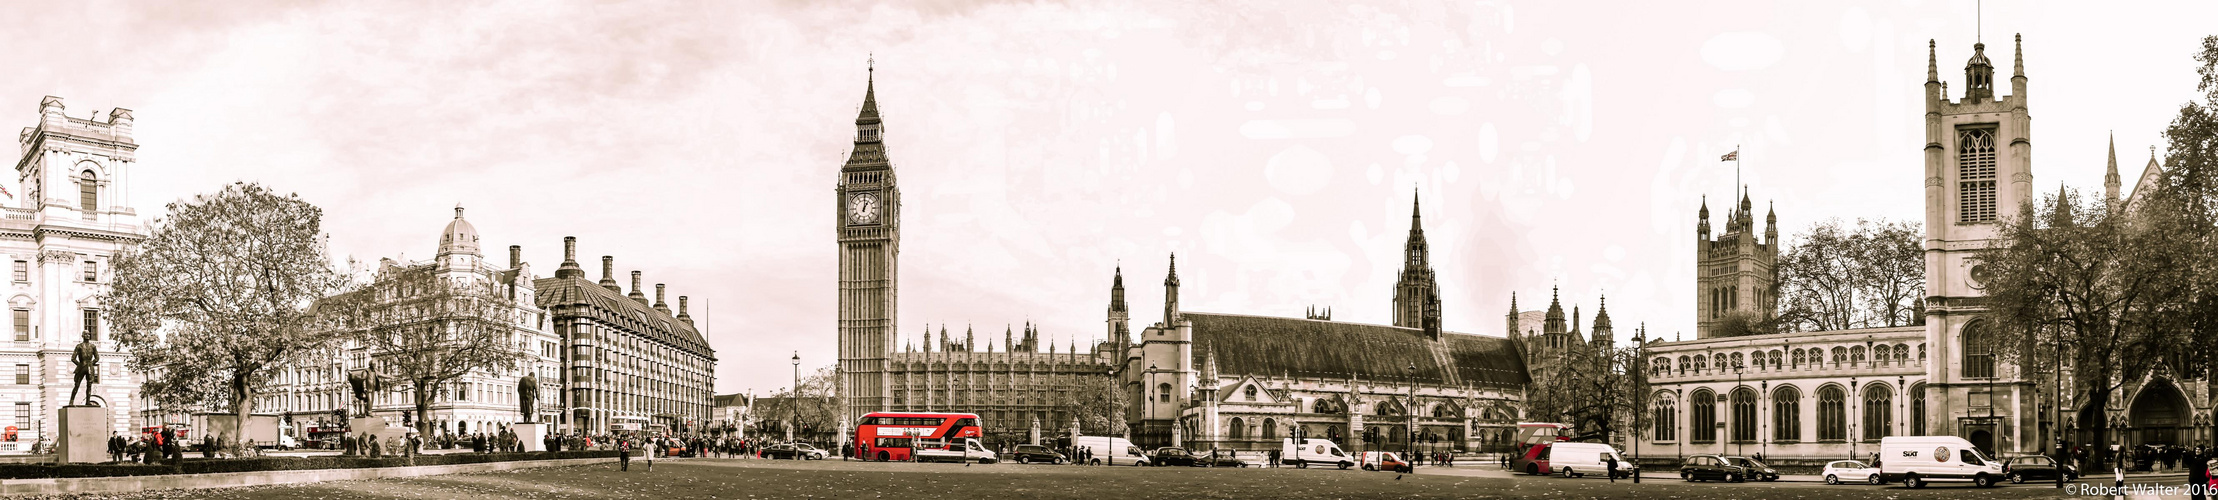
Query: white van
1107	450
1580	459
1313	451
1917	460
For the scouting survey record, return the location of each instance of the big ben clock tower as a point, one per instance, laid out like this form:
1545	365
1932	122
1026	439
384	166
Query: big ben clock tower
867	214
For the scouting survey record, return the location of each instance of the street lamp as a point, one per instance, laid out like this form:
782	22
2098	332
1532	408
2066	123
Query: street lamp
793	410
1410	411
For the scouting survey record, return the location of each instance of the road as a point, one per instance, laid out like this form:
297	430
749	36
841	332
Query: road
766	479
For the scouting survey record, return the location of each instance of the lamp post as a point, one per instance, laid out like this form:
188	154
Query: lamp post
1738	446
1410	411
794	405
2056	403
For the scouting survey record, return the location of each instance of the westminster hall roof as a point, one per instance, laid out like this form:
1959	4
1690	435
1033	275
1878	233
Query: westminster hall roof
1270	347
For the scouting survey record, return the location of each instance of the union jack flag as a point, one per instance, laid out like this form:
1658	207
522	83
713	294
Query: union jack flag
1733	156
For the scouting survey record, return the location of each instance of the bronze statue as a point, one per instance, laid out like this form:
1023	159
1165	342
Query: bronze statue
87	358
527	393
364	383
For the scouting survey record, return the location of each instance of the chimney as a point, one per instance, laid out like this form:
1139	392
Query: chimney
659	305
515	256
688	318
569	267
608	274
636	295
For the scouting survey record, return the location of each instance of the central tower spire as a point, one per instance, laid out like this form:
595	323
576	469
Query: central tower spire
867	219
1415	292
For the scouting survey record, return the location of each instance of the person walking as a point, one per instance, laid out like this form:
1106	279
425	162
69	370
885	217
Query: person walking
2198	473
115	446
1273	458
1610	459
623	456
654	447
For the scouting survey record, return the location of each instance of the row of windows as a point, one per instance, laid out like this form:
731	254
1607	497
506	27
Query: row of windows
1878	419
1776	359
88	271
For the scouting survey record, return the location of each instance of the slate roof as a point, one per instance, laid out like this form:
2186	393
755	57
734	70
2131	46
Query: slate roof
1270	347
555	292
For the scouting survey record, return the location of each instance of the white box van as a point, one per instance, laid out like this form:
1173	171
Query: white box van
1580	459
1917	460
1313	451
1107	450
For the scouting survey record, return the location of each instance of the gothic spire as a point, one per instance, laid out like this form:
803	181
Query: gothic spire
869	114
1116	292
1932	64
1172	280
2110	179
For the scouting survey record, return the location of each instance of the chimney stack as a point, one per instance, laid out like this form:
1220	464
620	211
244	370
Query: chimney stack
608	274
659	304
636	294
515	256
569	267
682	316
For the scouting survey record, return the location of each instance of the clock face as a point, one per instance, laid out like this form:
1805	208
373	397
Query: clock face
862	208
1979	276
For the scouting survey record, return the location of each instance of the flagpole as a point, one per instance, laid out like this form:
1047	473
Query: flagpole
1736	168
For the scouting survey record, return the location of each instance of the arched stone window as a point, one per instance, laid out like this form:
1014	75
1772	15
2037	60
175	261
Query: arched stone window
1879	412
1797	358
1786	414
1979	351
1683	365
1921	353
88	193
1738	363
1840	355
1917	406
1856	356
1445	410
1163	393
1902	354
1239	428
1666	419
1721	364
1744	415
1270	429
1776	357
1832	414
1250	392
1702	426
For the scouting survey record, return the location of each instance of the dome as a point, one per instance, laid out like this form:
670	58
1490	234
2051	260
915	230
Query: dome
459	238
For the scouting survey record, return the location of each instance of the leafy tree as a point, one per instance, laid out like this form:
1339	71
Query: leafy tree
815	411
2189	202
2095	282
425	328
1839	277
1097	402
218	296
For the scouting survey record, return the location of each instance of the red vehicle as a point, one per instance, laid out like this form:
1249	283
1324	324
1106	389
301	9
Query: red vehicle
1533	439
889	436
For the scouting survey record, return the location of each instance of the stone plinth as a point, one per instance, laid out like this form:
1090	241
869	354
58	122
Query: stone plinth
84	434
379	428
533	436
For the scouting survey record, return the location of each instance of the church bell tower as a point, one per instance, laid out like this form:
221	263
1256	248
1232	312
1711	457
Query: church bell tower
867	217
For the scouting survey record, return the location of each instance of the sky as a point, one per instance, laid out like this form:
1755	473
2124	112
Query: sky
1276	147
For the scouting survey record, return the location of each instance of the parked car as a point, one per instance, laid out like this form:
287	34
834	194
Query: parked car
1756	470
1918	460
2036	467
1382	460
1169	456
1029	453
1580	459
1707	467
1850	471
1226	458
794	451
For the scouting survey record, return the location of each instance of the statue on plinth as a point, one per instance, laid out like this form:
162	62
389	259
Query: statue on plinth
87	358
527	394
365	382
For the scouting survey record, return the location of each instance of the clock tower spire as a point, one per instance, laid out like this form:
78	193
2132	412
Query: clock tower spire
867	218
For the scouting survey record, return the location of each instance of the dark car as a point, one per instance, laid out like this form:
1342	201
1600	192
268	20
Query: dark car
1708	467
1168	456
793	451
1222	459
1756	470
1032	453
2036	467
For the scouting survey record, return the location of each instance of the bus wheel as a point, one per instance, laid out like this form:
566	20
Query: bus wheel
1532	469
883	457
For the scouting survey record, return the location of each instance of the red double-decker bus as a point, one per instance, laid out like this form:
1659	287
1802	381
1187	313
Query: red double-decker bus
1533	439
893	436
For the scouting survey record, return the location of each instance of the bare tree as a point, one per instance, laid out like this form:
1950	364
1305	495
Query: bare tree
218	296
1838	277
424	328
1097	402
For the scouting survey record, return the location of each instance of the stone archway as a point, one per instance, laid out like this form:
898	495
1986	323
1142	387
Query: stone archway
2159	415
1984	441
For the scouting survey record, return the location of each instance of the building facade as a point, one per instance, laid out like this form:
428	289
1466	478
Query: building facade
309	396
632	364
73	216
1829	395
1014	390
1227	381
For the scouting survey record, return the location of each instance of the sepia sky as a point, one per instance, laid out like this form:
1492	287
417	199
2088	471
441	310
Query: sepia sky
1276	146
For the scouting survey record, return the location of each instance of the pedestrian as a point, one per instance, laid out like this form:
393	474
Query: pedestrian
623	456
115	446
2198	474
654	446
1611	460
